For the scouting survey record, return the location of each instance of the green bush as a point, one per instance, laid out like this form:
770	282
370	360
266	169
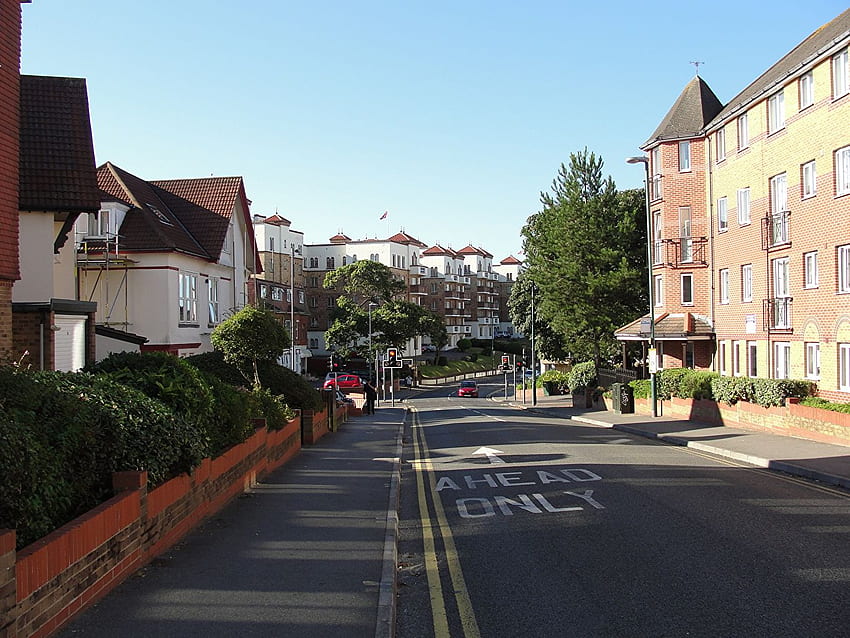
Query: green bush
272	408
296	391
730	390
697	384
559	378
582	375
773	392
667	381
641	388
823	404
62	435
464	344
233	411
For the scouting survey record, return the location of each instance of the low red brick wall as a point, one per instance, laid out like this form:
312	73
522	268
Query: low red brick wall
792	419
48	582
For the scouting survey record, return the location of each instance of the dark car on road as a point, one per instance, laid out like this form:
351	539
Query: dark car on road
468	389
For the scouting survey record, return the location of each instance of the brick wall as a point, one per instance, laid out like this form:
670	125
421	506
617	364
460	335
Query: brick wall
50	581
28	336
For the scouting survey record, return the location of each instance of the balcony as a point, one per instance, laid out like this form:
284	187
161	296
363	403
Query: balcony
681	252
417	289
777	314
775	230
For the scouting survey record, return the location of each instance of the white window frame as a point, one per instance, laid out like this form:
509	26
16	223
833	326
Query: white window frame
843	263
781	359
720	144
743	131
736	359
724	285
844	367
187	297
277	293
684	156
687	288
810	269
809	179
752	358
842	171
776	112
722	215
721	358
840	84
747	283
213	317
812	354
658	281
807	90
743	201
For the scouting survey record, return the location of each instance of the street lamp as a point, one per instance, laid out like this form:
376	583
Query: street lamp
371	303
533	357
652	359
292	306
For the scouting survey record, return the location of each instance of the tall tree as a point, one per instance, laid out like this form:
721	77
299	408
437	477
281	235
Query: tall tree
582	254
365	281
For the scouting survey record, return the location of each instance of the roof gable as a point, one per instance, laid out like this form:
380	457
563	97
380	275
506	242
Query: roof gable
402	237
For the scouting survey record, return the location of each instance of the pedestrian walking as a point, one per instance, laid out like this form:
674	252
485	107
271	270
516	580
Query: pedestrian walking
371	393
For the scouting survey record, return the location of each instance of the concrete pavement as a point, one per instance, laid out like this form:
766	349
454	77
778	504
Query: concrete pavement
822	462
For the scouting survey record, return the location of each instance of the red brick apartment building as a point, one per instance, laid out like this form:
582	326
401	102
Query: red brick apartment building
750	211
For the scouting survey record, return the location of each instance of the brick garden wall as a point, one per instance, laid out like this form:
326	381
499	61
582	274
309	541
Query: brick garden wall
50	581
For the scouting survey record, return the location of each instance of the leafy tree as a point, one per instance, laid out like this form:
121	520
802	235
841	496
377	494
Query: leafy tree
547	342
248	337
365	281
582	253
397	321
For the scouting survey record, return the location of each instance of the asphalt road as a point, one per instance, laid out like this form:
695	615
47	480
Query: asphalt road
514	525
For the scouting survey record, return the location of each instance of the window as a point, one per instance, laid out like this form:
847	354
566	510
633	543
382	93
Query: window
721	358
345	260
314	262
331	302
781	359
720	144
289	295
687	289
809	179
684	156
655	189
264	291
724	285
657	231
722	216
743	206
736	358
314	302
743	132
807	90
776	112
839	75
686	243
781	278
271	244
813	361
844	268
779	208
188	297
844	367
747	283
842	171
810	269
314	343
658	290
752	359
301	296
212	297
781	302
277	293
329	263
228	241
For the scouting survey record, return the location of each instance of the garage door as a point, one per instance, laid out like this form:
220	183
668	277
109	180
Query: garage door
69	343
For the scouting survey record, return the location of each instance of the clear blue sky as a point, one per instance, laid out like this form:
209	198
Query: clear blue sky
451	115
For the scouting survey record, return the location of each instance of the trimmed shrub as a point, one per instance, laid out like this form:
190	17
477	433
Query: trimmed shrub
773	392
233	410
464	344
276	413
730	390
559	378
667	381
823	404
582	375
62	435
697	384
642	388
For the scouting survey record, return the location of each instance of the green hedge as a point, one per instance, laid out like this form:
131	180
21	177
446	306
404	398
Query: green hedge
823	404
62	435
582	375
703	384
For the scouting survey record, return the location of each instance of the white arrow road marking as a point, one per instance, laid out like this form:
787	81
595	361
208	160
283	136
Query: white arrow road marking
490	453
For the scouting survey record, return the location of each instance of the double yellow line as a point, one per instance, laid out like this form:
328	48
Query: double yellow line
424	471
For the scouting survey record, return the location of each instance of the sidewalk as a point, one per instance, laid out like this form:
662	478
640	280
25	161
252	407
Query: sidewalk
310	551
819	461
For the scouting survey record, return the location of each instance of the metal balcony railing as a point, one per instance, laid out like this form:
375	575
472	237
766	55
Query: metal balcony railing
777	313
776	229
684	252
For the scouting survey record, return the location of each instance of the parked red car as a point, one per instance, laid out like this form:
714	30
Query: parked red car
468	389
344	382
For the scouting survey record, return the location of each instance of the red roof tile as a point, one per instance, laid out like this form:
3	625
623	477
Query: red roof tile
510	260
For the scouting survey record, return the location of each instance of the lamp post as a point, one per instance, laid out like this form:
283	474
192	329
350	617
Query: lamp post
653	357
292	305
370	343
533	356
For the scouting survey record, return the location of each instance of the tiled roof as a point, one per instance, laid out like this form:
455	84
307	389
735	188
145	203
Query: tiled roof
192	201
57	166
150	225
510	260
695	107
340	238
473	250
277	220
403	238
436	249
668	326
807	51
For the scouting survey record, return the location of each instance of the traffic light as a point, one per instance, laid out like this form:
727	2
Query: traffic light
392	358
333	363
506	363
520	364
